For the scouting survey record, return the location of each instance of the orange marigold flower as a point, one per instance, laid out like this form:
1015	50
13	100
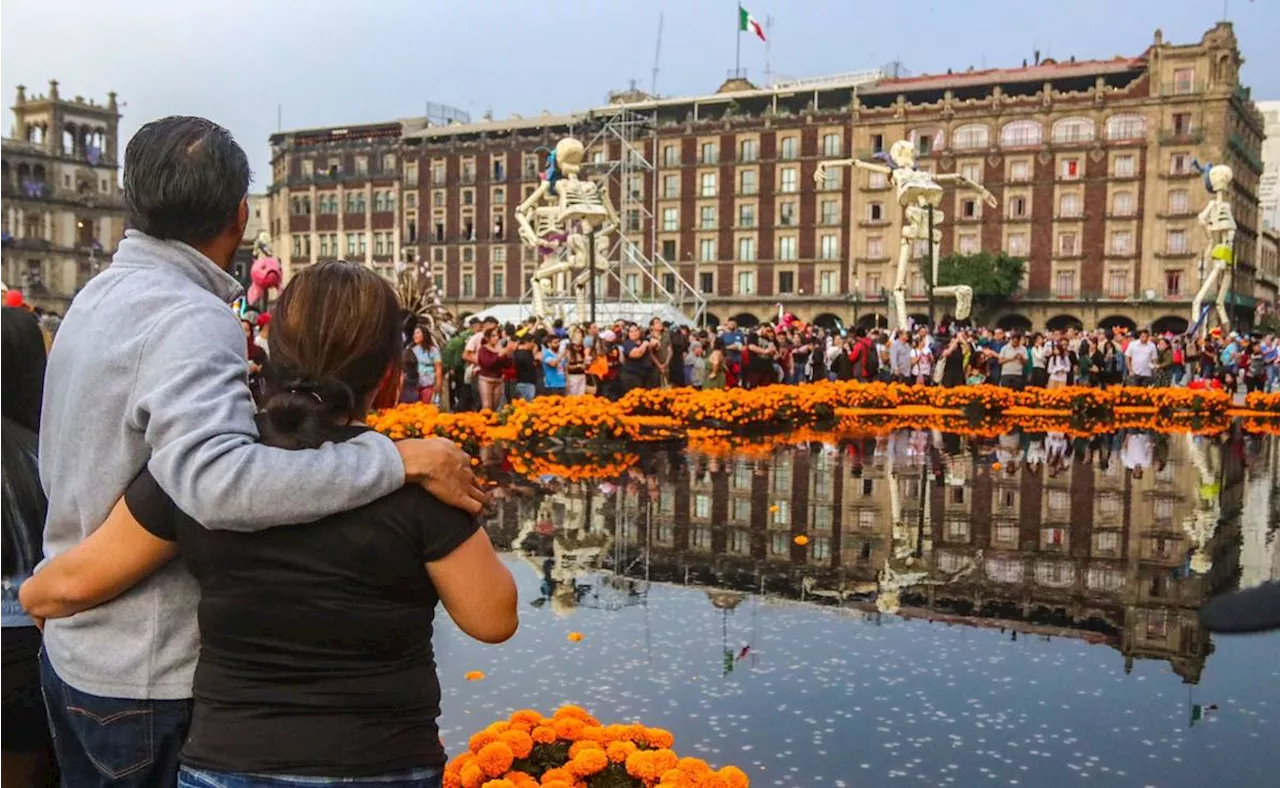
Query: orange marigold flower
568	728
801	540
498	727
480	739
693	765
474	675
543	734
642	766
617	733
495	759
521	743
584	744
528	716
451	780
556	783
734	777
618	751
712	781
588	762
576	712
665	759
561	774
471	776
575	637
592	733
501	782
660	737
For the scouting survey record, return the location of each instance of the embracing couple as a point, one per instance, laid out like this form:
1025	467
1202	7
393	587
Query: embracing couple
247	595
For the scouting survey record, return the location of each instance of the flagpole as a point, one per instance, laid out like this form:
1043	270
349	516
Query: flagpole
737	53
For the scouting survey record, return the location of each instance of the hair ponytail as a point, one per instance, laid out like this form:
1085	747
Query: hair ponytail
301	411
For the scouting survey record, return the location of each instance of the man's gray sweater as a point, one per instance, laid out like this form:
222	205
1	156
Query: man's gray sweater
149	369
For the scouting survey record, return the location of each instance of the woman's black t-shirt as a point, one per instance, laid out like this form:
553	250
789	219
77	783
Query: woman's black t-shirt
315	640
526	369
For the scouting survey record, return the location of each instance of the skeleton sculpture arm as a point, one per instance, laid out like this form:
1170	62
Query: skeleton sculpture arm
967	183
524	214
820	174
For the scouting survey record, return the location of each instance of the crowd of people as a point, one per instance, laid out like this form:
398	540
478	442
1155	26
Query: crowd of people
488	364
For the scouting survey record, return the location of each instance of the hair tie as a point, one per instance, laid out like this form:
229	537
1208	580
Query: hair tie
315	395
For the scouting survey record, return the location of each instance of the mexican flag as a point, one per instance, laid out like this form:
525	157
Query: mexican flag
747	23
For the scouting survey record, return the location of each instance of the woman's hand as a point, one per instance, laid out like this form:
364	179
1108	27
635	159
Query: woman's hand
444	470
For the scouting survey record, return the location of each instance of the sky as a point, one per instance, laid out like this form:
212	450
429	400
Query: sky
339	62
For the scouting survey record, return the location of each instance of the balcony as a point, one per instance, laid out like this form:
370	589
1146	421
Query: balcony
1175	255
1180	175
882	222
1183	89
1181	136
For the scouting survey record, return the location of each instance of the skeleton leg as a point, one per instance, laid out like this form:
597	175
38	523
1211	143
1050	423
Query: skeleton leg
900	283
963	294
1224	318
1210	282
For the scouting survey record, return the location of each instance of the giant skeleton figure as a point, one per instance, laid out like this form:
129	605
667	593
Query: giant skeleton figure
918	191
558	220
1202	524
1219	226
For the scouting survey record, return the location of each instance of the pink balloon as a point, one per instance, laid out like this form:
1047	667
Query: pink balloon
14	298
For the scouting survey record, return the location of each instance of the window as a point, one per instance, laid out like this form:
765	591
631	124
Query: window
787	247
786	282
746	249
968	243
790	179
1121	242
746	282
709	153
498	286
499	196
379	202
829	246
827	282
297	245
468	254
707	282
499	166
438	198
632	283
707	217
361	240
468	284
324	245
1173	283
1182	123
411	174
437	255
787	214
379	244
877	143
747	182
1178	202
388	162
877	180
670	155
411	199
1124	166
308	168
670	219
1179	164
746	215
1017	244
875	247
1069	206
972	171
1184	81
1070	169
1126	127
633	220
669	249
873	288
351	244
1064	284
1117	283
707	250
1176	242
1019	170
670	186
1020	134
830	210
832	144
498	255
362	165
788	147
468	196
969	208
1017	207
923	142
1067	245
875	211
748	150
969	137
708	185
1122	204
438	173
831	179
1072	130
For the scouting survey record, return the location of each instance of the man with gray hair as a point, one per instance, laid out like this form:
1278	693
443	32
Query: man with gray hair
149	370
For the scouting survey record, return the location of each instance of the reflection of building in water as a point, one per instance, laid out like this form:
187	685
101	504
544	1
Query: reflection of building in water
1259	525
1090	546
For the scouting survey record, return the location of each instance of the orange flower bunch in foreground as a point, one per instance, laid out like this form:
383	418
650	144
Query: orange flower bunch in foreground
571	749
1267	403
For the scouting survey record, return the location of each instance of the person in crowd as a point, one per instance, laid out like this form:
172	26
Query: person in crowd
734	343
638	366
493	360
1058	365
921	369
168	392
430	364
900	357
554	359
279	700
28	759
471	356
525	361
455	368
1162	368
576	360
697	365
1140	356
257	357
955	360
679	348
761	354
409	388
1013	358
864	357
1039	351
717	365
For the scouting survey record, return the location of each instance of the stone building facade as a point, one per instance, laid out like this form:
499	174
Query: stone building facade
1092	163
63	212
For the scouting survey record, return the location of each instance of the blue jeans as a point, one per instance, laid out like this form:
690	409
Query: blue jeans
414	778
113	742
526	391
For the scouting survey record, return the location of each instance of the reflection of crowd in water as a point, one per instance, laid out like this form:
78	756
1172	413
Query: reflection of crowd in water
1117	538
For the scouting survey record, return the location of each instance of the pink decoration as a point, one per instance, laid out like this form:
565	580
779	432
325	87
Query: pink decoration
265	276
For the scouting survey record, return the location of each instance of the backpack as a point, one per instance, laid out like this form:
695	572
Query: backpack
870	360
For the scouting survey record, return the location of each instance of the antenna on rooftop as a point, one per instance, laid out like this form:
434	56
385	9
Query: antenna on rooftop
657	53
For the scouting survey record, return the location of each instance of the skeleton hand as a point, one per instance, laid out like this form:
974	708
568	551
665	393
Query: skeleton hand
820	174
528	238
990	199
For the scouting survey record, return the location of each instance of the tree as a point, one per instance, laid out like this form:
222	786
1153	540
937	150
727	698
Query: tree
994	278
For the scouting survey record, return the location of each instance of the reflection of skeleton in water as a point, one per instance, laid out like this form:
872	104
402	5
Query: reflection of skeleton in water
1201	525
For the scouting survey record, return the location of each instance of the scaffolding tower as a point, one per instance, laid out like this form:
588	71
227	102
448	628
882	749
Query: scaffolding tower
657	282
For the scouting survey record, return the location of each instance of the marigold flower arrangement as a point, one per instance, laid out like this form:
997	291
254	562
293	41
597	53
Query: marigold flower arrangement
571	749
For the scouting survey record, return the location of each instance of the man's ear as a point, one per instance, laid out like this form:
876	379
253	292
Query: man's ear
242	215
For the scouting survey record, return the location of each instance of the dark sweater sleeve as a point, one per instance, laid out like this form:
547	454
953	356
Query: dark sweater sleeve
152	507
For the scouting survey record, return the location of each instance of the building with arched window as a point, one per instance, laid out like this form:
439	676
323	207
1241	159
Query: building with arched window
63	212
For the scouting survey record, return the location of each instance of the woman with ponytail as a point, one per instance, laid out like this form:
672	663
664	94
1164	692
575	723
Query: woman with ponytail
316	664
